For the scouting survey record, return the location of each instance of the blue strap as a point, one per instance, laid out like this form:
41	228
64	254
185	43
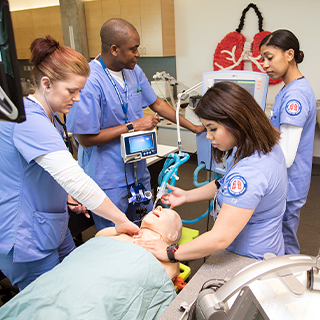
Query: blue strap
123	105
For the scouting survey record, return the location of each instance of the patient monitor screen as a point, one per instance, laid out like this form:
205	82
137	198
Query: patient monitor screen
140	143
256	83
249	85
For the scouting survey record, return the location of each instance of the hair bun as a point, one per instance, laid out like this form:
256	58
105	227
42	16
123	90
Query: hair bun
41	48
52	41
300	57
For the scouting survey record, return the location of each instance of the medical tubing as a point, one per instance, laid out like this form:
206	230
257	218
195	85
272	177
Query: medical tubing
201	217
167	163
172	173
171	170
195	176
198	184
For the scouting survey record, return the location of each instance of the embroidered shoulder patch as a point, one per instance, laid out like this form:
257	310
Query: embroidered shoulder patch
237	186
293	107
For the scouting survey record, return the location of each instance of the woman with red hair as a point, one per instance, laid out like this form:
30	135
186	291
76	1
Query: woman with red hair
37	171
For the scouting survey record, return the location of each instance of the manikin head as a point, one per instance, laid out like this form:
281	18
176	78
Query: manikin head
166	222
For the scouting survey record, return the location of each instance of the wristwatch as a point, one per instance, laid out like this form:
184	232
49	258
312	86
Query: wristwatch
170	252
130	127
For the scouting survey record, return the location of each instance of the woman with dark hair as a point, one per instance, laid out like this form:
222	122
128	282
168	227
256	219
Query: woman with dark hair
37	171
294	114
251	195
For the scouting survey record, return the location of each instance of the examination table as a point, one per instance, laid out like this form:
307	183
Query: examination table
102	279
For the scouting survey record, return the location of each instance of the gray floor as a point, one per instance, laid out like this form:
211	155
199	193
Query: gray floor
309	228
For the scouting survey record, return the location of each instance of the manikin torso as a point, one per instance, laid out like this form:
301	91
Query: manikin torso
172	269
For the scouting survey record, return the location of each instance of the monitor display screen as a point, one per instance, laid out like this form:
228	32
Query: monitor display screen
249	85
140	143
256	83
11	103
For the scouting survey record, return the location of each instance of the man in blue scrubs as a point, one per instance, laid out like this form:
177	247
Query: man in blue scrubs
112	103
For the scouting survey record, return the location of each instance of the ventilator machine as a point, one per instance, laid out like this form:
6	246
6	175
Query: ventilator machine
254	82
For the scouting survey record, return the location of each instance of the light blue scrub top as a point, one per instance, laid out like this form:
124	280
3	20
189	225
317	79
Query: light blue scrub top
33	208
258	183
100	108
296	105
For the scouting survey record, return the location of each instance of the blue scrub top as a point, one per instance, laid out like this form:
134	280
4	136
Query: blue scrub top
100	108
33	209
258	183
296	105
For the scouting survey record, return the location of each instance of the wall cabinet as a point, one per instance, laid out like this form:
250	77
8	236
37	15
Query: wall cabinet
35	23
153	19
96	13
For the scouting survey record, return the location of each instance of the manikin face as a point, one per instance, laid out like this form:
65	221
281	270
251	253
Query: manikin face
166	222
218	135
275	61
62	94
127	53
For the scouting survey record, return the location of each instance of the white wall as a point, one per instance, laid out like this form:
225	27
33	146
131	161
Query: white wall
202	24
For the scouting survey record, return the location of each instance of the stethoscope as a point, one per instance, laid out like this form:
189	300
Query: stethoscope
64	134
